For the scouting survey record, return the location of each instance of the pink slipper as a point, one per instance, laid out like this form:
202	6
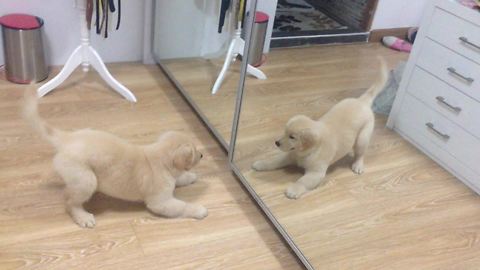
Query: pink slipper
396	43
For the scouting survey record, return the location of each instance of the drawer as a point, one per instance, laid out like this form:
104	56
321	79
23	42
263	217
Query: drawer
451	67
415	116
469	177
446	100
456	33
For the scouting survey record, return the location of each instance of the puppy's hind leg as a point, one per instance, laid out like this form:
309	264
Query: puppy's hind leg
361	145
80	184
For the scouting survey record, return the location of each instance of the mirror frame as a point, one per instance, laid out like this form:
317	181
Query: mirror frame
231	151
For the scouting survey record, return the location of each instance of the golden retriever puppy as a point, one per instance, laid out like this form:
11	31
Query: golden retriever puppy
90	160
315	145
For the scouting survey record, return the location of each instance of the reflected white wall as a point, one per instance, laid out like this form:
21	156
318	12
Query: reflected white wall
188	28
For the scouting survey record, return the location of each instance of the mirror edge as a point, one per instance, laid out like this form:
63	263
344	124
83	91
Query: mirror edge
233	138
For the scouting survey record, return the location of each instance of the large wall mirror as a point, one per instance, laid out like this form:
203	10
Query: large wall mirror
334	223
376	216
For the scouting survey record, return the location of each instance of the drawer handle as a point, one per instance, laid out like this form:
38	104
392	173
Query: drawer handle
466	41
455	72
454	108
432	128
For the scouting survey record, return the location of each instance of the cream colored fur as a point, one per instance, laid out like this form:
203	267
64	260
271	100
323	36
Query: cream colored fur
315	145
90	160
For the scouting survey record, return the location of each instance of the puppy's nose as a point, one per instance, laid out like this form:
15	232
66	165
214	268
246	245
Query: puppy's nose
277	143
201	155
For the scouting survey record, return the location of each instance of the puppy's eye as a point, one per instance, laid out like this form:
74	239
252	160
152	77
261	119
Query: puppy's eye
291	137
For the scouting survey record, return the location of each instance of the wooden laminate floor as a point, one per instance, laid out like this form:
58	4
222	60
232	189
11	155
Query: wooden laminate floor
36	233
404	212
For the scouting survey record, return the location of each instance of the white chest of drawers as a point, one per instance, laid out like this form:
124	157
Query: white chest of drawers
437	107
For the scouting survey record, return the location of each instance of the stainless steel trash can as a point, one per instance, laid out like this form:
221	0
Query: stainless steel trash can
259	31
23	48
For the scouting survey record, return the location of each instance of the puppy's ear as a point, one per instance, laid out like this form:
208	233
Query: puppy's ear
183	157
308	138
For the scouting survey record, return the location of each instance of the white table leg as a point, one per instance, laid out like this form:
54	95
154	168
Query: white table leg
228	61
257	73
97	63
72	63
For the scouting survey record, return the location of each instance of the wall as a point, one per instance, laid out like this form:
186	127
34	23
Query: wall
190	31
62	31
196	35
127	44
399	13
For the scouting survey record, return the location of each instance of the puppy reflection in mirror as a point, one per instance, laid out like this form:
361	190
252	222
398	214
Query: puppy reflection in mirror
315	145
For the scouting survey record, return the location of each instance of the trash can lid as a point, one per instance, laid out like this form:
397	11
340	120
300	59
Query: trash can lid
21	21
261	17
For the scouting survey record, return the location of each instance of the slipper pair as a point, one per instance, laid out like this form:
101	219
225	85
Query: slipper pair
399	44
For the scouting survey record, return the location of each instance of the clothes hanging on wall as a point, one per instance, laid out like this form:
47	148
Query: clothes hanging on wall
97	15
240	9
89	13
102	10
105	18
119	10
223	12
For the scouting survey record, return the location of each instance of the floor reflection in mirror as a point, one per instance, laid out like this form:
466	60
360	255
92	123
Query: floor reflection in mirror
396	213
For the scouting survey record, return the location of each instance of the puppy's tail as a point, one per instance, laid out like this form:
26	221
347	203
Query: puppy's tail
378	85
30	114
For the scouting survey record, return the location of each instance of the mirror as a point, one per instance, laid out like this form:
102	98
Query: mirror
349	220
338	223
188	46
378	202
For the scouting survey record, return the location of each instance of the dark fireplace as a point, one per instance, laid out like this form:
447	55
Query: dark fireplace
356	14
300	22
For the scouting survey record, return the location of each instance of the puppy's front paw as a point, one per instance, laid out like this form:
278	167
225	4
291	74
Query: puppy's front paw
358	167
295	191
84	219
198	211
259	165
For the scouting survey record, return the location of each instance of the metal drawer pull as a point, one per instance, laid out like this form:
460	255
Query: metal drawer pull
455	72
432	128
454	108
466	41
